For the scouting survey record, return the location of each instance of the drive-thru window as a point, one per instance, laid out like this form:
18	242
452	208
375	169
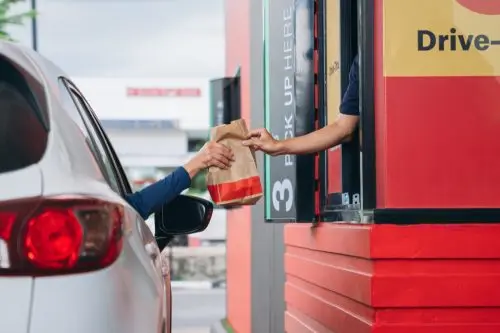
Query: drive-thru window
409	209
309	48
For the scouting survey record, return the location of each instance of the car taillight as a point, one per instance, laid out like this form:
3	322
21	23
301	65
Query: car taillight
59	235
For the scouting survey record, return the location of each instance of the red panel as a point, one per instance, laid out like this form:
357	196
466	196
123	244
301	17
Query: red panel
442	142
350	276
238	265
388	279
462	315
238	260
334	311
471	241
436	283
380	115
334	171
297	322
349	239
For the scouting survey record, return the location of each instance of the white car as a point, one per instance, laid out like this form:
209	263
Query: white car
74	255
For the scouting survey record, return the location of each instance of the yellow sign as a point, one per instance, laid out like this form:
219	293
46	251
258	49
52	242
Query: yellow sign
439	38
333	88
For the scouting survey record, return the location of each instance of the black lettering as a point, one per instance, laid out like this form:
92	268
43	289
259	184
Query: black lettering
431	40
428	40
453	39
442	42
482	42
465	44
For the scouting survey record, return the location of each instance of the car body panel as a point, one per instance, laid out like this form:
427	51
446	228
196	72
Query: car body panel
116	299
15	303
10	188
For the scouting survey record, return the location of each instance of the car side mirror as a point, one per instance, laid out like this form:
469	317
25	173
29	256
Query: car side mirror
183	215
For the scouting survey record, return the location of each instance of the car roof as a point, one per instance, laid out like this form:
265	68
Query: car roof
67	163
27	58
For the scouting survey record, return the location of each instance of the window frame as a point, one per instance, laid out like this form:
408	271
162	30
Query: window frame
358	186
127	189
97	138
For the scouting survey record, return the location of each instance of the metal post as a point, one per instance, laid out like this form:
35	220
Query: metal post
34	30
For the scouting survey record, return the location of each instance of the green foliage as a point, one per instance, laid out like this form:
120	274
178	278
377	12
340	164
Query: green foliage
16	19
227	326
199	182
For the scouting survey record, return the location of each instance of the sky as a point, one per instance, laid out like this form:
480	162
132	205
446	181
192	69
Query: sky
130	38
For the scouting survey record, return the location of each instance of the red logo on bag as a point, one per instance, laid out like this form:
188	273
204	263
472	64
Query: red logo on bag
486	7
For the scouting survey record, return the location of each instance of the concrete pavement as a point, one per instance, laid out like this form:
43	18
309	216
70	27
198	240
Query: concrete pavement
191	330
193	311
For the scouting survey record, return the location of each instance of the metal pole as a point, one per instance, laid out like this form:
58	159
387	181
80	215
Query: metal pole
34	30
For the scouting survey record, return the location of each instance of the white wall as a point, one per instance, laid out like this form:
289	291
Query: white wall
108	97
148	142
150	148
111	99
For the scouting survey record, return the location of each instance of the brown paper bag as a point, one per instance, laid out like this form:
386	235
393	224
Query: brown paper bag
240	184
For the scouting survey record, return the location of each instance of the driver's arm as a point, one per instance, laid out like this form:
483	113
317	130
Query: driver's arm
152	197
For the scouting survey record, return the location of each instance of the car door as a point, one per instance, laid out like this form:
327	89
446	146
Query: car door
113	166
147	238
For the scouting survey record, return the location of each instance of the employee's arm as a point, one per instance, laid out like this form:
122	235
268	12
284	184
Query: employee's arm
329	136
151	198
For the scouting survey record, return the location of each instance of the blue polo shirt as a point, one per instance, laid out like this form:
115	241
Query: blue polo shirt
151	198
350	100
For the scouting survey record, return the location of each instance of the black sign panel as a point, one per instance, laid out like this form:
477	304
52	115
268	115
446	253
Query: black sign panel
225	101
219	106
289	106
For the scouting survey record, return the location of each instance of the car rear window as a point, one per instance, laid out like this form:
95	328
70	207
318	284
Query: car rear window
23	134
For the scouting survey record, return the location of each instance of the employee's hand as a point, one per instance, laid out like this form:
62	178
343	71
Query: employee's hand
261	139
212	154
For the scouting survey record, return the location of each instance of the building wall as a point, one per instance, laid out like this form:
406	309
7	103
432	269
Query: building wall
146	142
176	109
239	221
255	271
171	99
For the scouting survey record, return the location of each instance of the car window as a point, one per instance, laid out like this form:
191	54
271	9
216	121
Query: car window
23	135
81	116
118	166
72	109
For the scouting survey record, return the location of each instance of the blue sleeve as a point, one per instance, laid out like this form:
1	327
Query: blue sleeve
151	198
350	100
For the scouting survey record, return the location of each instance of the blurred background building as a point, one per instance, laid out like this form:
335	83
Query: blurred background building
144	66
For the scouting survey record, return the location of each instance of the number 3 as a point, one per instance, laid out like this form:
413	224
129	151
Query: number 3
279	188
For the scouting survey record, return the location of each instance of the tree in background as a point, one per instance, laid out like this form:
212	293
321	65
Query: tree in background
16	19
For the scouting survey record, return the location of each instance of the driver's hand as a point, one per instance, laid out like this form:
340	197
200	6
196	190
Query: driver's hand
212	154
